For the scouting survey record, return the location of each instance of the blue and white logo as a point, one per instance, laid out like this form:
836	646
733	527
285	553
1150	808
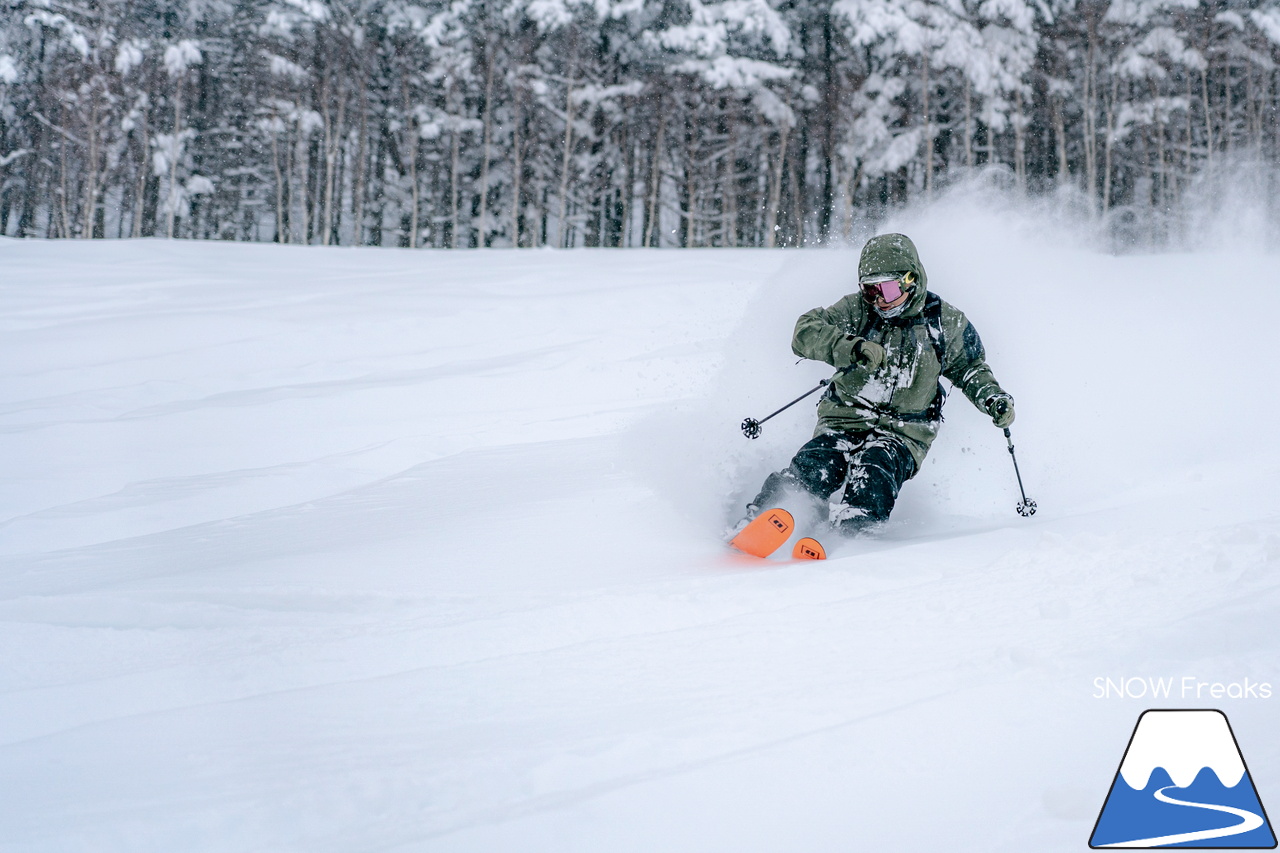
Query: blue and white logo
1183	783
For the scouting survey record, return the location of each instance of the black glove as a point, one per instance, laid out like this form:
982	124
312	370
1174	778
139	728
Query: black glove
1000	407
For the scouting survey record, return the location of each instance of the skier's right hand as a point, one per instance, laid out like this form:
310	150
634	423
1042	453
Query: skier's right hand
853	350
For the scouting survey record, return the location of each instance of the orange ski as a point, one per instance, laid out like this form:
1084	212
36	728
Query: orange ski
808	549
765	534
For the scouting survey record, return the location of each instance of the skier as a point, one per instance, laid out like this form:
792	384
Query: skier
890	344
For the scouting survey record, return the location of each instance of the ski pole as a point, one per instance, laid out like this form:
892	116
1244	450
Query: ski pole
751	426
1026	507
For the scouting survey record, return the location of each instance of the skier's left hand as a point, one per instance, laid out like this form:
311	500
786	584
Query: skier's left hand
1000	407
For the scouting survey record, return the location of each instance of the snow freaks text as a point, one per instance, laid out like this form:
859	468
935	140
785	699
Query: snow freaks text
1185	687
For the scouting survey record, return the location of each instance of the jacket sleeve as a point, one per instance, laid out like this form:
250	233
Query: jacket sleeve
819	331
966	359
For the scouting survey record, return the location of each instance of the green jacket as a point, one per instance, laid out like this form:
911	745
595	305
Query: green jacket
902	397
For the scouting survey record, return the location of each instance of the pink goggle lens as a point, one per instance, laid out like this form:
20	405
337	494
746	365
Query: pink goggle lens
887	290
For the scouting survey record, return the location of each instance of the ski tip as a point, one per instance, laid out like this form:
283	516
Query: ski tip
808	549
765	534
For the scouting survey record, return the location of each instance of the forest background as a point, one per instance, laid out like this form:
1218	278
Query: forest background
621	122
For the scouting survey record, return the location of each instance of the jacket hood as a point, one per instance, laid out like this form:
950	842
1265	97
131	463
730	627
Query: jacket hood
895	253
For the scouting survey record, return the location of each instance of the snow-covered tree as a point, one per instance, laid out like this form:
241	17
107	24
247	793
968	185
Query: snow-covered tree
460	123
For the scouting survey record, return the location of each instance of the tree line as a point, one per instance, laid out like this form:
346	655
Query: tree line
466	123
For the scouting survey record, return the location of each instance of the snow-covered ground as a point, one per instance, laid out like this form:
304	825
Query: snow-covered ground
313	549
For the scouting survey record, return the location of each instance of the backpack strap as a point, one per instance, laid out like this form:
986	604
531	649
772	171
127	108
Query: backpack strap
932	316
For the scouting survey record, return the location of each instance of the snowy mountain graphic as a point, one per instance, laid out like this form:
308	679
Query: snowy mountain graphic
1183	783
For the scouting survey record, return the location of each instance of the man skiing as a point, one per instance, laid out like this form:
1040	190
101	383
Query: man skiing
890	344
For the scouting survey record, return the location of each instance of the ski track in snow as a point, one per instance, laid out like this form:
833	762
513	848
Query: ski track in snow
347	550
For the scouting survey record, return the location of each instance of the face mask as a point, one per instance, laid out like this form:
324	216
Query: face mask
892	312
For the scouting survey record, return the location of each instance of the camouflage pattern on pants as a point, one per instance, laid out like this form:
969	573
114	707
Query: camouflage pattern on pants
858	474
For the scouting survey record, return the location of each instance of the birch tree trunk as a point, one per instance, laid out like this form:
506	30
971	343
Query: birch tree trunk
143	169
928	124
1208	115
690	183
517	169
482	240
332	139
173	160
91	179
968	122
564	163
1107	141
775	190
62	199
415	228
281	236
850	191
1187	155
454	189
1228	107
1090	127
729	189
304	226
362	166
1019	143
1060	140
655	181
1161	181
629	198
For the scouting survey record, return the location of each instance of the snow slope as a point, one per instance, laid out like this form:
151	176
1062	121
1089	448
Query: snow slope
375	550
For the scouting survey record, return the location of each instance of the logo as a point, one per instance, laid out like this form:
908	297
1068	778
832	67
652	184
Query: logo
1183	783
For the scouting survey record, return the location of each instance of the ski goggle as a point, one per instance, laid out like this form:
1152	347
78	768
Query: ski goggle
888	288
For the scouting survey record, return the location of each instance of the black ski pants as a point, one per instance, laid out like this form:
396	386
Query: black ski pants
870	469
